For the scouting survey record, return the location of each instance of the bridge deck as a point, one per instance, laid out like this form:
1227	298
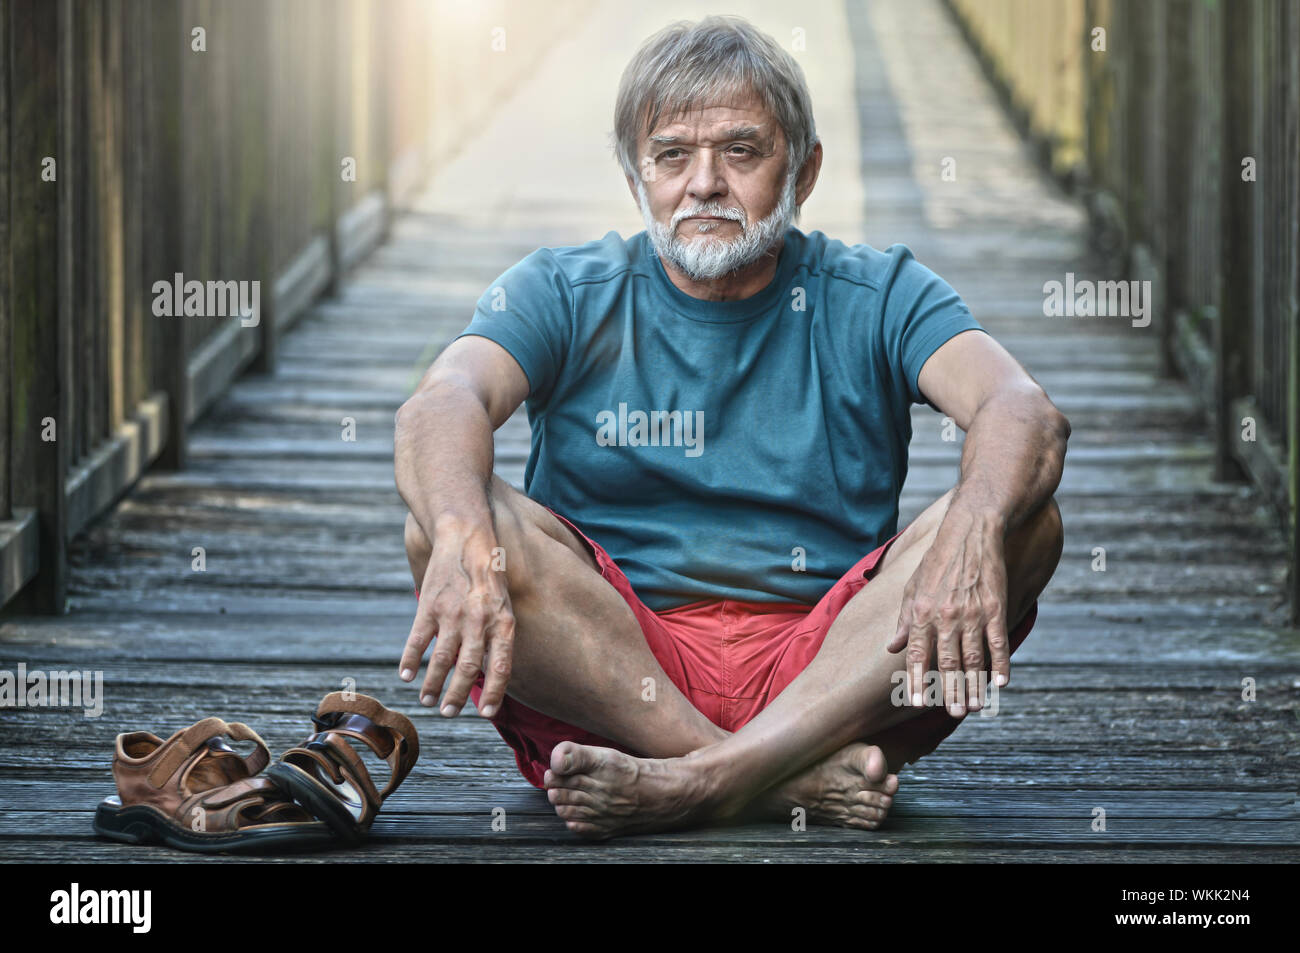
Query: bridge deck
1128	696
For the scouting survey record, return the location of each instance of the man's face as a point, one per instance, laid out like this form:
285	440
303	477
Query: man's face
714	189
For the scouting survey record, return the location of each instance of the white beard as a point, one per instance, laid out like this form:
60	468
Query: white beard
707	257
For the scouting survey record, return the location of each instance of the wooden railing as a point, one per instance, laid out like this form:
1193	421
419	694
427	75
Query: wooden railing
1179	123
238	144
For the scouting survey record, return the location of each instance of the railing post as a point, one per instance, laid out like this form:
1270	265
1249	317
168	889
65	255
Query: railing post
256	120
1234	308
164	222
6	326
40	433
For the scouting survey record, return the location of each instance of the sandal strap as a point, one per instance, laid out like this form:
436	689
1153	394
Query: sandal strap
223	808
400	749
183	747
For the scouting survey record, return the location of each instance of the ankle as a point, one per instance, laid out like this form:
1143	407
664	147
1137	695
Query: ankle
713	784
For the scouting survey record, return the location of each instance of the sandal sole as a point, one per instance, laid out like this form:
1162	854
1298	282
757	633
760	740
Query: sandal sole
139	824
316	800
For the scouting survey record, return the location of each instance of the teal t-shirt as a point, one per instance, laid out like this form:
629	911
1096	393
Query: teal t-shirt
750	450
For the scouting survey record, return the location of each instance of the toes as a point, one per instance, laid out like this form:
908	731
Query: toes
877	767
575	812
569	757
584	829
570	796
872	798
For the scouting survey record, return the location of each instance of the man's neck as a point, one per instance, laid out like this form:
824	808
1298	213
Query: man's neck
737	286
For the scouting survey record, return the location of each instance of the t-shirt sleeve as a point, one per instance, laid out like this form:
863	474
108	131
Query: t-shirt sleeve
921	313
528	310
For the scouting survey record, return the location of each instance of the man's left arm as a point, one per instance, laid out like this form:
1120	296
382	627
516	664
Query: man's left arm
1011	464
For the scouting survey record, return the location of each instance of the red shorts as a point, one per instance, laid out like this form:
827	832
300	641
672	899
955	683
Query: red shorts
729	658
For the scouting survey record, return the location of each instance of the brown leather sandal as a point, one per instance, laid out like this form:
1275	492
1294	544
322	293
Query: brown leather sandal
328	778
195	792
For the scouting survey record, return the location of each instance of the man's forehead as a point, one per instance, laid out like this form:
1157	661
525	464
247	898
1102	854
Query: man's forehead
717	122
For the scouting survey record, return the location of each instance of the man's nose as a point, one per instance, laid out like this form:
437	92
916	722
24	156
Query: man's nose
707	181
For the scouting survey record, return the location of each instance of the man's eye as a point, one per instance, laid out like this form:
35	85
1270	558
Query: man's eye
670	153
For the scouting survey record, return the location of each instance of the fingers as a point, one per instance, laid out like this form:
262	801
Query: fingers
949	649
900	639
469	662
444	656
999	646
423	630
972	657
500	655
920	637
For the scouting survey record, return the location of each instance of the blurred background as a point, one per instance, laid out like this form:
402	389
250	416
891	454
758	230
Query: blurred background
279	141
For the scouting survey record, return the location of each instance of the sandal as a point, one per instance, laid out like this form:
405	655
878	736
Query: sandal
326	775
195	792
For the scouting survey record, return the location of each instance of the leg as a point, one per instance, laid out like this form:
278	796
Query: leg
580	657
580	654
842	695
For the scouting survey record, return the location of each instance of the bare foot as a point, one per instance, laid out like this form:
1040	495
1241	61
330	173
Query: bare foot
851	788
601	792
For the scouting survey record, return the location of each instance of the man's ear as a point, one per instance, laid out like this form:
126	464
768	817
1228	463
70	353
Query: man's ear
808	174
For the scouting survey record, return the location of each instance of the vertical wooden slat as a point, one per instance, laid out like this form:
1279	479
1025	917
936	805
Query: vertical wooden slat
168	42
111	230
39	466
72	237
1237	203
134	289
256	115
1289	35
6	329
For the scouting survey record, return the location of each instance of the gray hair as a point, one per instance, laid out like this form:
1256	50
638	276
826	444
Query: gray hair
716	60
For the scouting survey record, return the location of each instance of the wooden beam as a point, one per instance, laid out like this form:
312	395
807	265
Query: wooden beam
20	552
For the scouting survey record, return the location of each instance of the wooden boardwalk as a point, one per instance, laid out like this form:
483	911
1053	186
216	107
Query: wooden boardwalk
1127	697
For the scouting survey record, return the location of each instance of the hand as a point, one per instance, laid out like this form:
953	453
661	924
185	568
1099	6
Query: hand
464	602
954	603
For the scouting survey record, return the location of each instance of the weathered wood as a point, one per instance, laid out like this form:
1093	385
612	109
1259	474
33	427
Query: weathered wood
163	255
1128	695
6	321
38	311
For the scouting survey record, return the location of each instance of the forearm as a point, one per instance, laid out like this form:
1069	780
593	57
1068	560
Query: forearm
1013	457
442	460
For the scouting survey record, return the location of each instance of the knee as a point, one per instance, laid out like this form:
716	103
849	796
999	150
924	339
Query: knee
1037	551
1050	532
417	544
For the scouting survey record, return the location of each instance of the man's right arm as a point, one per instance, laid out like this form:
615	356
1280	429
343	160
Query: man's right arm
443	465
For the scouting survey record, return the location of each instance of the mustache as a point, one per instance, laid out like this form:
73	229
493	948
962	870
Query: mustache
717	211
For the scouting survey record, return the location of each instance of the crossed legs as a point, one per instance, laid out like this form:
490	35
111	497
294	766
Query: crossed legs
580	657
